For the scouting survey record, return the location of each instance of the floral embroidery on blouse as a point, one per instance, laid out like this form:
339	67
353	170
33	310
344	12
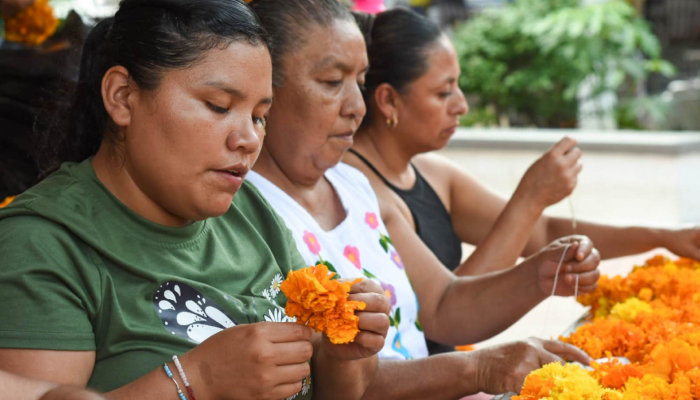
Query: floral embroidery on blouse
353	255
315	249
396	258
384	241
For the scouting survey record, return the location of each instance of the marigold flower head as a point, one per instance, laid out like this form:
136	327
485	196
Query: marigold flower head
562	382
320	302
613	374
629	309
33	25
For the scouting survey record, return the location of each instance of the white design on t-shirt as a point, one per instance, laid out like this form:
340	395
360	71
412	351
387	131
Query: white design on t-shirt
187	313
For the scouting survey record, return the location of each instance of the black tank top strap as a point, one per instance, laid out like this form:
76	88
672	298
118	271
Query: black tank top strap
375	170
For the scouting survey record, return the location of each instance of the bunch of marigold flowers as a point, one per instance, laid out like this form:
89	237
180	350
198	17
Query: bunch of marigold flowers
651	317
321	302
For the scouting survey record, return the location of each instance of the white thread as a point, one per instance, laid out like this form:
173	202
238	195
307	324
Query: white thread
554	288
575	294
573	217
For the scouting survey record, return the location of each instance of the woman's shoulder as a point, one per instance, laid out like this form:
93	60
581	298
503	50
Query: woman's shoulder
351	178
250	204
442	173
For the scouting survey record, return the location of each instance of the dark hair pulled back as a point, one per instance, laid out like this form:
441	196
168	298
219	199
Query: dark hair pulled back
398	44
286	20
147	37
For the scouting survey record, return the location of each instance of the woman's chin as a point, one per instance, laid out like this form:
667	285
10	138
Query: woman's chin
217	206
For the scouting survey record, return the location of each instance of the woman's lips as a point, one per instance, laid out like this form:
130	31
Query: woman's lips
235	180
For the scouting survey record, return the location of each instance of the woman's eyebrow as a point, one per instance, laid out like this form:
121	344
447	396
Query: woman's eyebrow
228	89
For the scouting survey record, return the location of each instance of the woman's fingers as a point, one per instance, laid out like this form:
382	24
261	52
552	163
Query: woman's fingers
563	146
590	263
366	286
292	353
584	279
373	322
375	302
287	374
566	351
286	390
371	341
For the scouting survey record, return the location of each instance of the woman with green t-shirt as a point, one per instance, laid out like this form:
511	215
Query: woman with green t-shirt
135	252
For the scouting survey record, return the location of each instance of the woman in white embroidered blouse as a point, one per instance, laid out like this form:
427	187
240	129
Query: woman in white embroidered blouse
319	63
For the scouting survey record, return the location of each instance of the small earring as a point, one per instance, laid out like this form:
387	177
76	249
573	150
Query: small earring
394	122
388	122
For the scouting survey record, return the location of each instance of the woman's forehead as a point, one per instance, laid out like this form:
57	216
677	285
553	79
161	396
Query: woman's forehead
339	45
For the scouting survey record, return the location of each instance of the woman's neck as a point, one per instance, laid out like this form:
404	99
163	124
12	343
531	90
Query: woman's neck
387	153
112	171
314	193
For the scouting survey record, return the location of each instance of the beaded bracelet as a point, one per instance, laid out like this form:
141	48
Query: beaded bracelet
170	375
184	377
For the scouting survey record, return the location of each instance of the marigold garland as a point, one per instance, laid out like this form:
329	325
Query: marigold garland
652	317
33	25
321	302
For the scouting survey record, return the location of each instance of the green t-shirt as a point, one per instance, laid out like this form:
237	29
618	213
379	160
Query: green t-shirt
81	271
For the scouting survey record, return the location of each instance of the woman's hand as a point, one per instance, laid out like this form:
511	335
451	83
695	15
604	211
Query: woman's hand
578	257
266	360
553	176
683	242
503	368
374	324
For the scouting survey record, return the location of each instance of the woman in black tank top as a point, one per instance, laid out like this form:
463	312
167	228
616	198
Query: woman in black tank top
414	105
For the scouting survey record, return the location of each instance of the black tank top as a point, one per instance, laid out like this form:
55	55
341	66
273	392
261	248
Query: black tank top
433	226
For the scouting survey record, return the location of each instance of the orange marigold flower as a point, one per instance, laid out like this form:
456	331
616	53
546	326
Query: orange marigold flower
535	387
614	375
320	302
7	201
33	25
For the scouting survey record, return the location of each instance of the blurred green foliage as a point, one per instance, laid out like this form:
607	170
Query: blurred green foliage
526	61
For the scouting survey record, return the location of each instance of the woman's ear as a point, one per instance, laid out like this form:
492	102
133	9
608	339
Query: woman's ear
387	100
117	88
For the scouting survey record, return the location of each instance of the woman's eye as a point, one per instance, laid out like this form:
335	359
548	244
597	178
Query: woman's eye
260	121
445	94
334	83
218	110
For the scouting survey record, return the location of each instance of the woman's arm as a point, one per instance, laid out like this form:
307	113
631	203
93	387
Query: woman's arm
502	229
457	310
613	241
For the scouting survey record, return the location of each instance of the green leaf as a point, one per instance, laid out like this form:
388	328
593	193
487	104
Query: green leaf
392	322
418	325
388	240
398	316
382	242
368	274
330	266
